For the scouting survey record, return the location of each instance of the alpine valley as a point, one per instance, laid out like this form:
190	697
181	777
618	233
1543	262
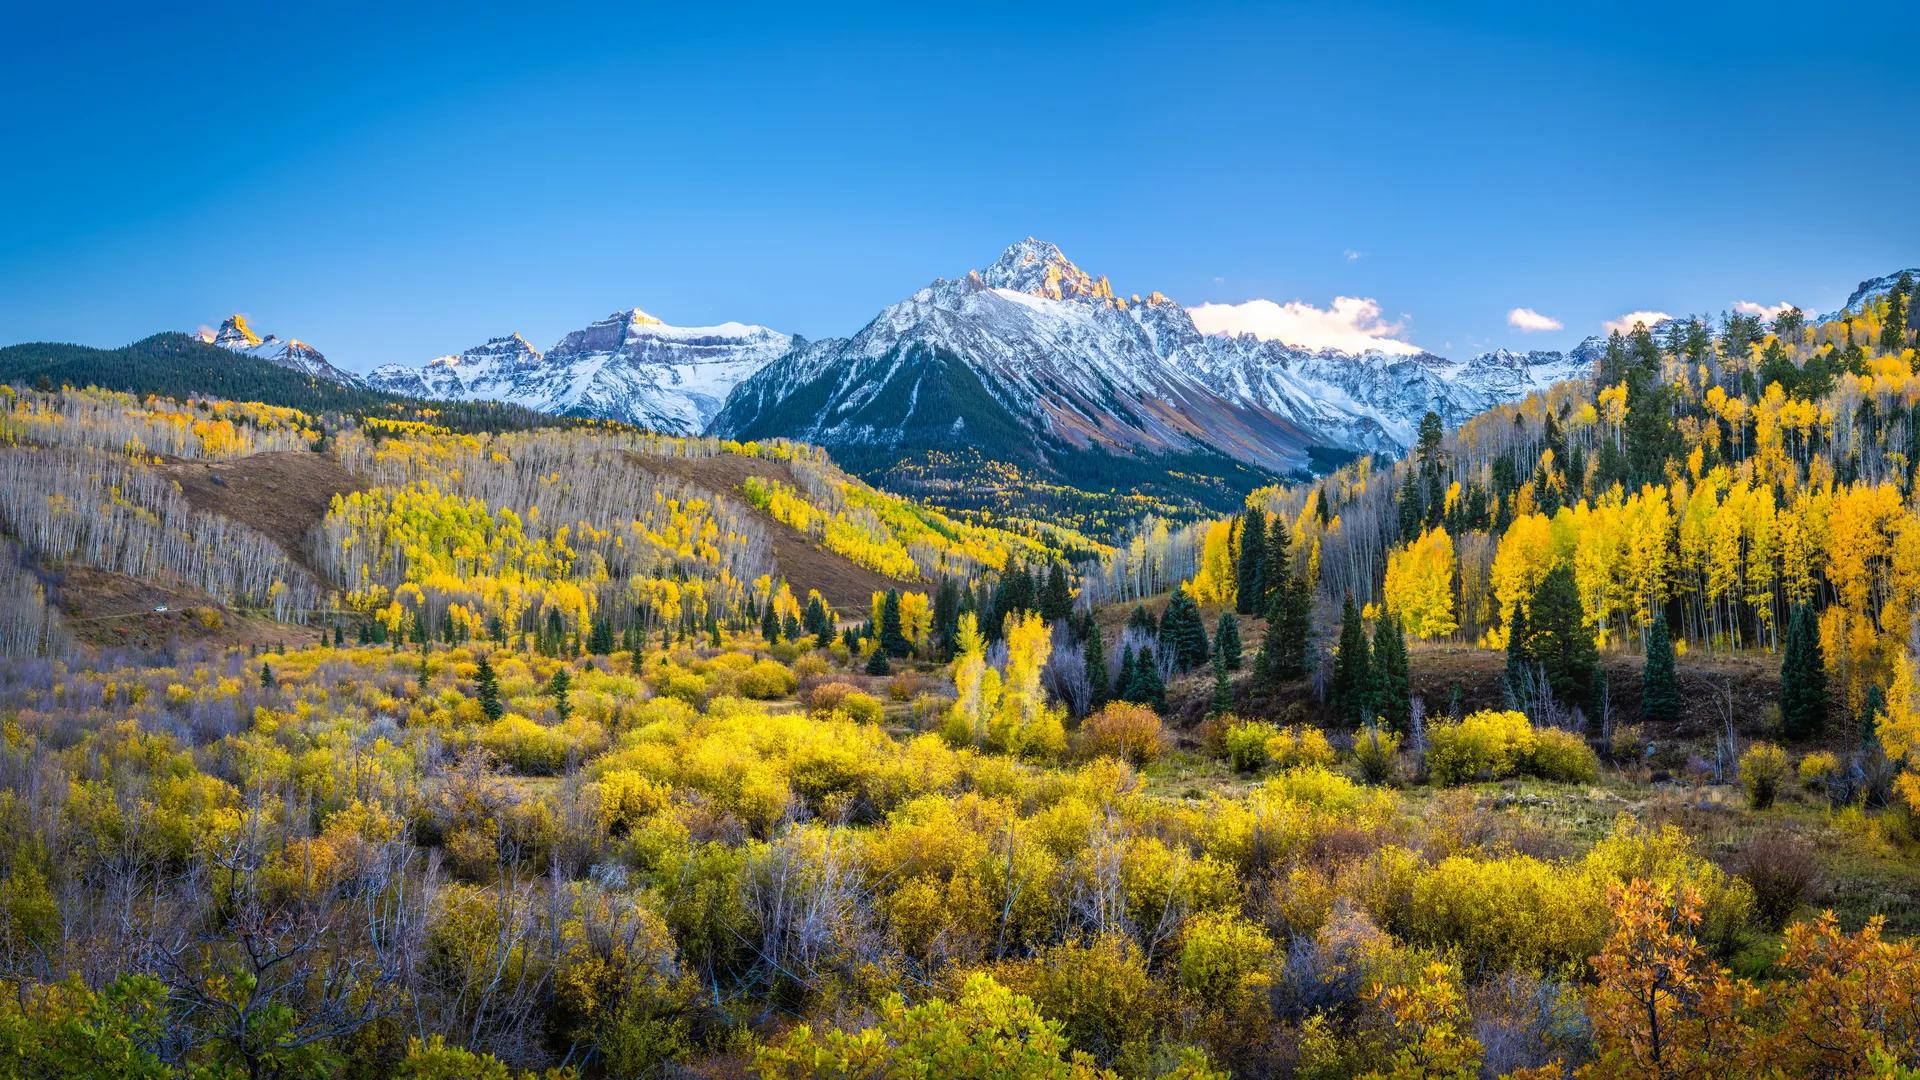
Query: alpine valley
1028	386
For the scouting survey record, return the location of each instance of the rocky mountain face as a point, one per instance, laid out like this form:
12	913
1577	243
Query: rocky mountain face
1874	289
628	366
1033	357
235	335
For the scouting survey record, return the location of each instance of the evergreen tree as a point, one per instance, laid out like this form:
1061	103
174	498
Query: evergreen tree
1222	686
560	689
1519	667
339	636
486	688
893	640
713	632
1893	330
1296	627
1096	660
1056	598
1389	693
556	632
1123	679
770	624
267	681
1250	597
1279	566
1803	677
1147	687
600	641
1182	631
1351	676
818	621
877	663
1557	639
1226	640
946	619
1142	619
1660	692
1283	646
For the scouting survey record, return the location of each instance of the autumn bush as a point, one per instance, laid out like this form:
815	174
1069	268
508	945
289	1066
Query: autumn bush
1763	769
1124	730
1782	869
1481	746
1245	743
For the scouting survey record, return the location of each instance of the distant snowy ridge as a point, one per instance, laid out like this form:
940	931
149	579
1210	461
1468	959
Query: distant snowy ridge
235	335
1869	291
628	366
1057	351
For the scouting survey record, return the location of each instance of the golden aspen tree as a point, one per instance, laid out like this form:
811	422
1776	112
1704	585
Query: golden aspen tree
1419	585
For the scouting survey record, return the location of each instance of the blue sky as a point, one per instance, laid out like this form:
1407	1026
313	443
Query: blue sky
394	187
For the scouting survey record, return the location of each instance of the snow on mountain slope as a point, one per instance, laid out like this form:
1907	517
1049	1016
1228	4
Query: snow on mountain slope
1871	290
628	366
235	335
1030	358
1058	359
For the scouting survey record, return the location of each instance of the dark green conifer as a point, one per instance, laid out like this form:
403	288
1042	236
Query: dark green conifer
1660	691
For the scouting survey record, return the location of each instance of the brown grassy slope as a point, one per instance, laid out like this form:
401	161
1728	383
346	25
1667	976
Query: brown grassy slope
113	610
846	585
283	494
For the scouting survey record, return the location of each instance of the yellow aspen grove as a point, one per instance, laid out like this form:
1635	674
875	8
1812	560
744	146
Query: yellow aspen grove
1420	585
1214	583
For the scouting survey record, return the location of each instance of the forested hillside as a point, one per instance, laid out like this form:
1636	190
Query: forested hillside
595	753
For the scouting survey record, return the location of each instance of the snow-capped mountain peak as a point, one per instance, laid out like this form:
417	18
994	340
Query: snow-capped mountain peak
1871	290
1039	268
236	336
629	366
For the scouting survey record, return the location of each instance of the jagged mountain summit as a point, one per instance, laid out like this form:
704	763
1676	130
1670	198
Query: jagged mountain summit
235	335
1872	290
628	366
1034	360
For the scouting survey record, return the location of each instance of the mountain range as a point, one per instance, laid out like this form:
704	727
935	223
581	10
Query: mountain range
1030	364
235	335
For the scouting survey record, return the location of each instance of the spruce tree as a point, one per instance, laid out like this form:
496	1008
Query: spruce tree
1123	679
1147	687
893	640
1250	597
877	663
1096	661
1660	692
1558	639
817	622
1296	627
1226	640
1182	631
486	688
770	624
560	689
1222	686
946	619
600	641
1893	329
1279	565
267	681
1389	691
1056	597
1803	677
1351	677
1519	665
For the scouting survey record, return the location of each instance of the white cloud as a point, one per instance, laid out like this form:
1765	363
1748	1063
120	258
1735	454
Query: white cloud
1351	324
1528	321
1626	322
1765	311
1354	256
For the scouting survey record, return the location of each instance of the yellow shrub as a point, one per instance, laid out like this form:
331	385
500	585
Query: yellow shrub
1486	745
